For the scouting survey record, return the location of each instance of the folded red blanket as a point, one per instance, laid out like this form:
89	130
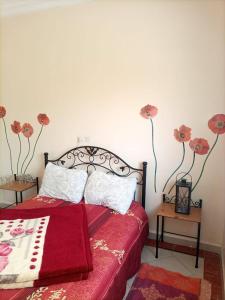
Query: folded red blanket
43	246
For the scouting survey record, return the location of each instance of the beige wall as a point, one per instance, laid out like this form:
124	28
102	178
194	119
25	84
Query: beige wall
91	67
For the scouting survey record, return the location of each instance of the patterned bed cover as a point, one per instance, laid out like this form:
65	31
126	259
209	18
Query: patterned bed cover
116	244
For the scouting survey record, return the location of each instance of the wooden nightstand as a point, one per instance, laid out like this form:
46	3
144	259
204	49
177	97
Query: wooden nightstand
167	210
19	187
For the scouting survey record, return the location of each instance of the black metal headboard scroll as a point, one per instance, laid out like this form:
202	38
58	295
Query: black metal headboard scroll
90	158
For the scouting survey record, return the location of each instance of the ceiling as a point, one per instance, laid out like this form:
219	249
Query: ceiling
11	7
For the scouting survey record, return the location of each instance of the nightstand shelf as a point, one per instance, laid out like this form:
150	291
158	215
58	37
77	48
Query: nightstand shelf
167	210
19	187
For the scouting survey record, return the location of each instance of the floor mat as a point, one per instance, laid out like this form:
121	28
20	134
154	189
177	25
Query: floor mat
155	283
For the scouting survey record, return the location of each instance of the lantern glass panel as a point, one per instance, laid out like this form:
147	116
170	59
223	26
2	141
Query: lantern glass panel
183	197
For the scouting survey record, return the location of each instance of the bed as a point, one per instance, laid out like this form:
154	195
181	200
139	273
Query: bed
116	239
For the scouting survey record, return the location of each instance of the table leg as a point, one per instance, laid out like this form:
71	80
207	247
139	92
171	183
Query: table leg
16	198
21	197
198	243
162	229
37	185
157	238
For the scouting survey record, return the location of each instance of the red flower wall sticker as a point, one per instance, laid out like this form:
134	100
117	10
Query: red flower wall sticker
217	125
183	134
16	128
199	146
2	115
148	112
43	120
27	131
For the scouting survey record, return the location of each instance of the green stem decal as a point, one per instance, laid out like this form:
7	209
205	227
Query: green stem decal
182	160
193	161
17	166
153	149
203	167
10	151
28	152
34	149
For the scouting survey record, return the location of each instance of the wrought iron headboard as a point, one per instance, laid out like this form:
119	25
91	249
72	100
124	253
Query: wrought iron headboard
92	157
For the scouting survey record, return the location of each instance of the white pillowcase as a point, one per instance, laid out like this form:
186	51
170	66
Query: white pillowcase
62	183
110	190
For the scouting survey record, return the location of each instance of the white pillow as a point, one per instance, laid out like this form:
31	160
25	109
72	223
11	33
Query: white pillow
62	183
110	190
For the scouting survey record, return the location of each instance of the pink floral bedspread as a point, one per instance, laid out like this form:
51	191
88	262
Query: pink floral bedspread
116	244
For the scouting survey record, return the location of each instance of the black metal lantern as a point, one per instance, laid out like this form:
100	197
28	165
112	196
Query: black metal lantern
183	196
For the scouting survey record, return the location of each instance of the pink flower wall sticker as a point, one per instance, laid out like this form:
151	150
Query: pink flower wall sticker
182	135
16	128
27	131
217	125
2	115
148	112
43	119
199	146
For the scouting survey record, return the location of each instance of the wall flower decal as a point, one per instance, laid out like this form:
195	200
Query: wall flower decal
43	120
2	111
2	115
148	112
182	135
199	146
27	131
217	125
16	128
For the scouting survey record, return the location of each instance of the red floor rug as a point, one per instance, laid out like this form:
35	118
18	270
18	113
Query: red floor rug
154	283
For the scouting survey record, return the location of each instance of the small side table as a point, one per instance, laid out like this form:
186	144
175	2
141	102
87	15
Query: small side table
167	210
19	187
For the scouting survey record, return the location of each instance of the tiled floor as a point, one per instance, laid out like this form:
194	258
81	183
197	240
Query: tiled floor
210	266
174	261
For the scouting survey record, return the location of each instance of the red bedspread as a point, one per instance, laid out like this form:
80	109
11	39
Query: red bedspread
58	251
116	244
